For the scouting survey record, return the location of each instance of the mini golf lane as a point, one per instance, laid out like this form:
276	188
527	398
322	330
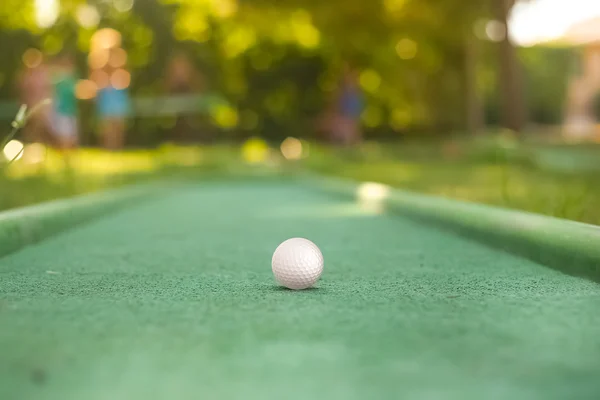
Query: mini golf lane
175	299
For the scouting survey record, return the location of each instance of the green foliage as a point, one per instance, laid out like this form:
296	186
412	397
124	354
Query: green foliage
278	62
546	72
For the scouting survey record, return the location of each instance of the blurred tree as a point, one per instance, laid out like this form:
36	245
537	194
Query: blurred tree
511	79
475	120
545	72
422	68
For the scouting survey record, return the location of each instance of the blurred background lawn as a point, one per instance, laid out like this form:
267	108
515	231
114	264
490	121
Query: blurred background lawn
492	101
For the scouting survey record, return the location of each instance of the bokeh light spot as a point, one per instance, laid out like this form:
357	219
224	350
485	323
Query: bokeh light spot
34	153
46	12
87	16
495	31
52	44
371	196
370	80
106	38
238	41
373	191
394	6
142	36
304	31
291	148
192	25
86	89
406	49
400	118
255	151
225	116
100	78
123	5
98	58
120	79
224	8
13	150
117	58
32	58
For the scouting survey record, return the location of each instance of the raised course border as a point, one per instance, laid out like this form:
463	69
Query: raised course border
27	225
568	246
23	226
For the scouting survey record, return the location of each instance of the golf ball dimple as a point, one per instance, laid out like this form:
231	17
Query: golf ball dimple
297	263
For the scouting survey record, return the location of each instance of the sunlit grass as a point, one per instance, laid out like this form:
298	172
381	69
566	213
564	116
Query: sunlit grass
482	177
483	173
85	162
46	174
498	172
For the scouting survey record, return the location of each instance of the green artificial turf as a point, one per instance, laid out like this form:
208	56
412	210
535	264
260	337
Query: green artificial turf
24	226
175	299
568	246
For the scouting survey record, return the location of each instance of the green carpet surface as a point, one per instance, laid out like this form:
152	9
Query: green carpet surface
175	299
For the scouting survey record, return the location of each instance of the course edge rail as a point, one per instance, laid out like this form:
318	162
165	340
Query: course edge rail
567	246
23	226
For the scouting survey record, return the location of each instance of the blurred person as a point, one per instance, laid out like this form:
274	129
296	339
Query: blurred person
325	124
65	107
113	107
183	79
35	86
348	106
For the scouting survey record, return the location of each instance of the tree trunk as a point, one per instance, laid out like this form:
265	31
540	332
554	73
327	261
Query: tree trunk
511	86
473	107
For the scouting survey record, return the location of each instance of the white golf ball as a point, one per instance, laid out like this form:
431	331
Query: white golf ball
297	263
